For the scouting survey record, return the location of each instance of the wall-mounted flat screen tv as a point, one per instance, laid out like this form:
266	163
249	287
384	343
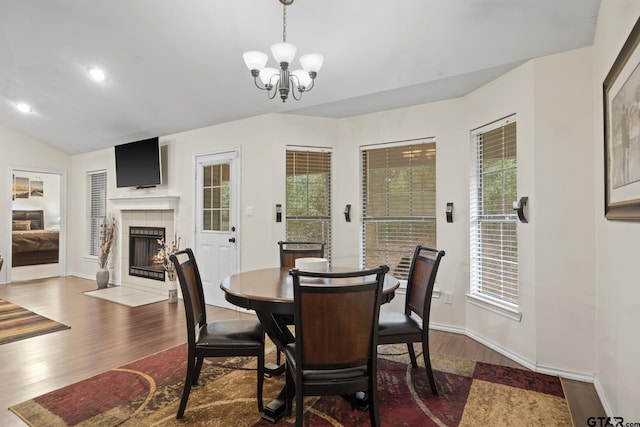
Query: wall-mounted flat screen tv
138	164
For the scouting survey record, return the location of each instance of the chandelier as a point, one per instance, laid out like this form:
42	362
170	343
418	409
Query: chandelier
283	80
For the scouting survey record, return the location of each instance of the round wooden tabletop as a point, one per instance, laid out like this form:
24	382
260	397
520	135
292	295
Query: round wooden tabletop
274	286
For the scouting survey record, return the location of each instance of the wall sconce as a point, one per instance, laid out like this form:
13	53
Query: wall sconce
278	212
521	208
347	213
449	212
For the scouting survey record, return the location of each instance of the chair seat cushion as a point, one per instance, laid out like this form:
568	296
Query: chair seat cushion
397	323
334	375
231	333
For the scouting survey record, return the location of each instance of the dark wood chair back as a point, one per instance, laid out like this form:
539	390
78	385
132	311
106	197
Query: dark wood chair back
192	291
290	251
402	327
421	280
336	328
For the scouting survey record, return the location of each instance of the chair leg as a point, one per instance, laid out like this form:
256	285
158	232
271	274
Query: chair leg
200	361
299	402
278	357
374	413
188	381
260	378
412	355
427	366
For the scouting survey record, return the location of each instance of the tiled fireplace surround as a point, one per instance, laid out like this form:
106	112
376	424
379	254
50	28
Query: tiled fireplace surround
143	212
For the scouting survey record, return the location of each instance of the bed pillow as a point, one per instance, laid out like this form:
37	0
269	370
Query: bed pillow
21	225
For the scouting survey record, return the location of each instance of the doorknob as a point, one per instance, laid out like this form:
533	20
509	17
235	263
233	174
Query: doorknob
232	240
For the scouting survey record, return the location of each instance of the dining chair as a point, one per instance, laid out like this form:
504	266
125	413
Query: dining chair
336	328
290	251
400	327
221	338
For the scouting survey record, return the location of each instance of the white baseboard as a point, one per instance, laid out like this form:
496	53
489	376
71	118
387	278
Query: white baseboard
529	364
603	398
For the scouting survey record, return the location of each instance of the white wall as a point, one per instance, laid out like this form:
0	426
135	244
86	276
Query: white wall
511	93
616	251
442	121
262	142
21	151
564	236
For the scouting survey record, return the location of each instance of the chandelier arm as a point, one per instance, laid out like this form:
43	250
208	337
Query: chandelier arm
295	82
293	93
273	90
255	81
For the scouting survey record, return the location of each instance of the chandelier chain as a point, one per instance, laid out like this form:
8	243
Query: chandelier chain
284	23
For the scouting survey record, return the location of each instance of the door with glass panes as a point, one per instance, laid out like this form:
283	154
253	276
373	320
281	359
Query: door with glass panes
217	243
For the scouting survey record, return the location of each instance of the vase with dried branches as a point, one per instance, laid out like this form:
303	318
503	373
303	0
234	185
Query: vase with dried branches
108	229
164	255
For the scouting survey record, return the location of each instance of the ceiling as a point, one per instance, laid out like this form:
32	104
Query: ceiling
175	65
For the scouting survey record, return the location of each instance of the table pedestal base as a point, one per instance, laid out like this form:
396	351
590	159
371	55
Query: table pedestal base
275	410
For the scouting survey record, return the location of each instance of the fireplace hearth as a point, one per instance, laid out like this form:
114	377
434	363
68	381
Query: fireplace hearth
143	252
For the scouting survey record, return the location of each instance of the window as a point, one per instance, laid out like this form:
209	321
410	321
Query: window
308	204
398	203
494	237
216	188
97	209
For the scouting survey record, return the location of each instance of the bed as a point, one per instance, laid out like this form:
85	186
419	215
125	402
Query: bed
31	243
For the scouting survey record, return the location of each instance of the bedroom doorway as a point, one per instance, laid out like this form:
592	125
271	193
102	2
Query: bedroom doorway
37	212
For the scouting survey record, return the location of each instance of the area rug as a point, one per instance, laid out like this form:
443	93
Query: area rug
147	393
17	323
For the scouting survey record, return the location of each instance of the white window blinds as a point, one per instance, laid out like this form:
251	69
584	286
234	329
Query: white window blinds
308	204
494	237
398	203
97	209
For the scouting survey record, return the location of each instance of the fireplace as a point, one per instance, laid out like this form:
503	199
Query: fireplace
140	213
143	252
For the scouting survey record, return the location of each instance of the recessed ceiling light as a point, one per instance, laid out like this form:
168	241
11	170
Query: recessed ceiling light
24	108
97	74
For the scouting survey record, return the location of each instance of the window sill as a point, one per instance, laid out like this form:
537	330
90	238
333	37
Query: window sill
495	307
91	258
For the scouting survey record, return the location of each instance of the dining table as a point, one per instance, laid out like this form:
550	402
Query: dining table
269	292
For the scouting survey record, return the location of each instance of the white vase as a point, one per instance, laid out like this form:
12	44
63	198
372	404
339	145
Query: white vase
173	287
102	278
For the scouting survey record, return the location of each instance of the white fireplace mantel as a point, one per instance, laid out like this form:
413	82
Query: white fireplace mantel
146	203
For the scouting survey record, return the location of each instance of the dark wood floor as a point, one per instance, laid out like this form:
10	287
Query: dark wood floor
105	335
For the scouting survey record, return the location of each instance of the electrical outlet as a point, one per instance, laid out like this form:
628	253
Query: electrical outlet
448	297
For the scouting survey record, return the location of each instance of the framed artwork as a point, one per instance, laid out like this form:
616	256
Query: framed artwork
621	96
20	187
37	188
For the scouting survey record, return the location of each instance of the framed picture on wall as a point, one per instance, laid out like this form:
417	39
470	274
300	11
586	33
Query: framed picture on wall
621	96
37	188
20	187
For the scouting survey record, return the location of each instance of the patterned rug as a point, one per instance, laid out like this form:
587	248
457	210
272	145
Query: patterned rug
147	393
17	323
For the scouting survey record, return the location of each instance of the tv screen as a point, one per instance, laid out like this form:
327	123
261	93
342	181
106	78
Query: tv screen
138	164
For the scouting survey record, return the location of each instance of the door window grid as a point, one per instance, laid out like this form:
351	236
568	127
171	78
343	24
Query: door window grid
216	197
